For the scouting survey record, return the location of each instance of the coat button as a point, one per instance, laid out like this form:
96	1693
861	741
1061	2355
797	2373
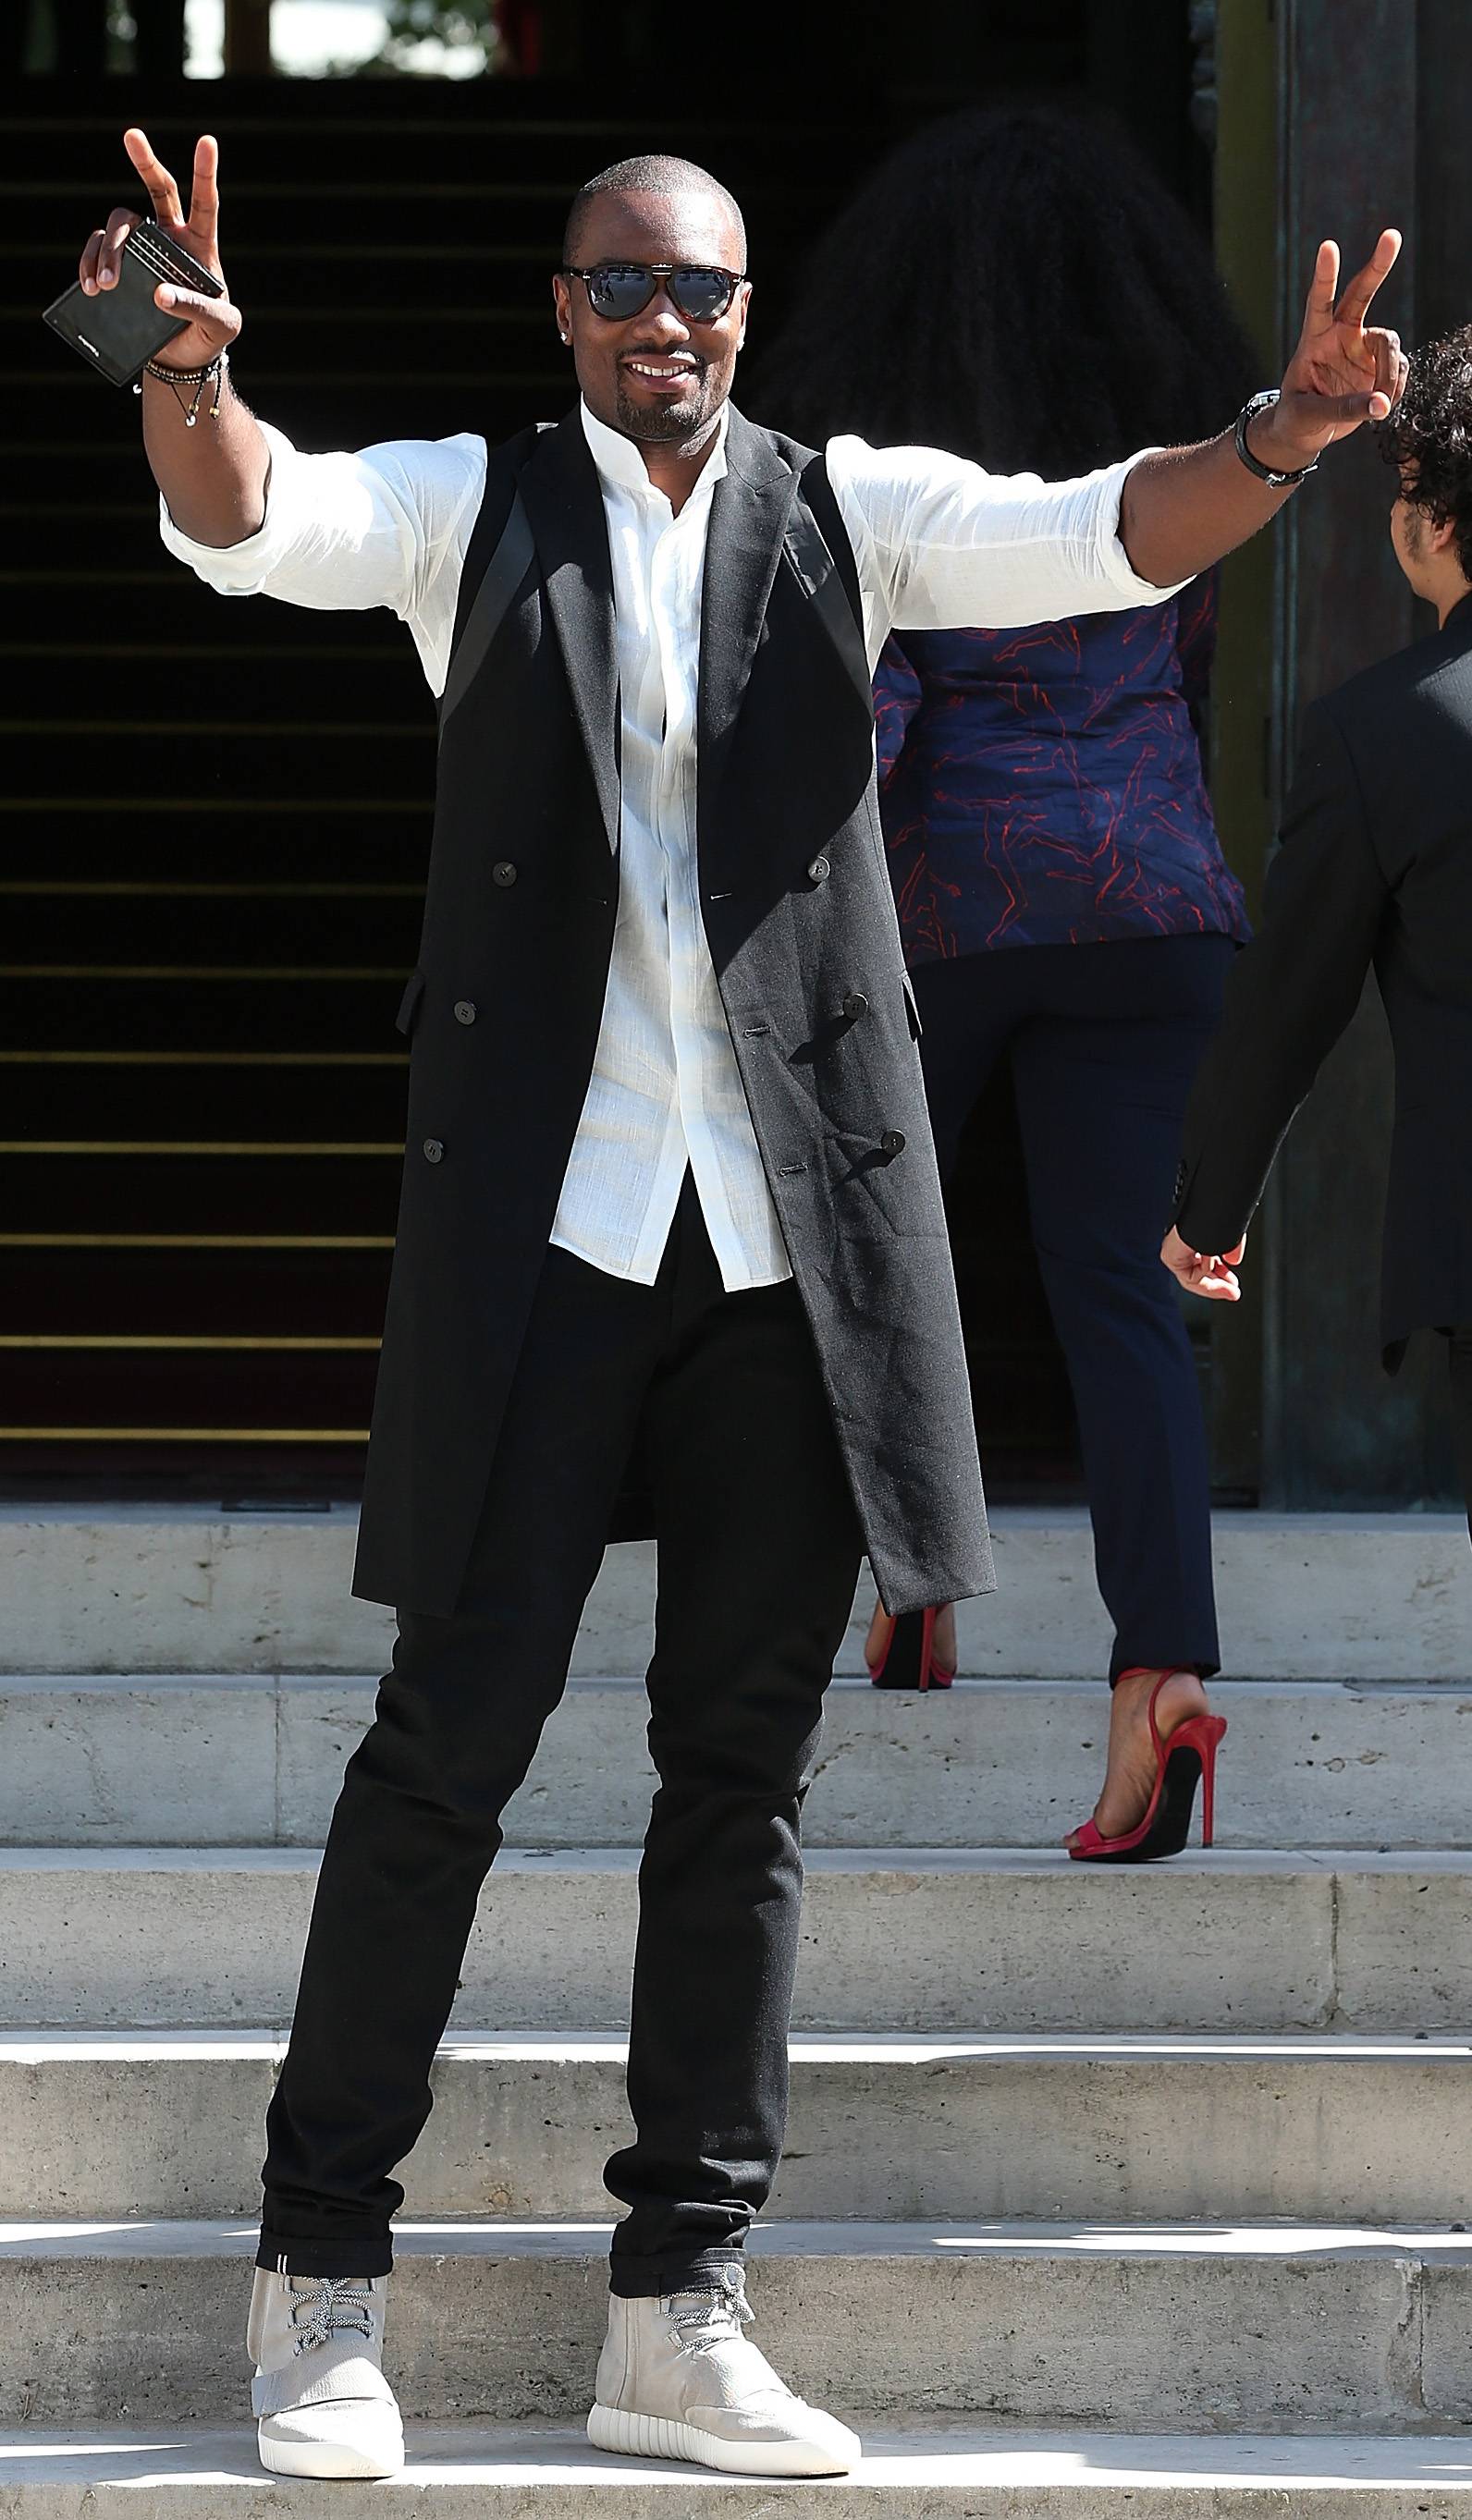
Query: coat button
434	1150
855	1004
890	1144
819	870
503	873
465	1012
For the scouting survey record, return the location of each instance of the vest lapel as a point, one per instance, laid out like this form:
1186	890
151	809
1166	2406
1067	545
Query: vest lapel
564	504
749	507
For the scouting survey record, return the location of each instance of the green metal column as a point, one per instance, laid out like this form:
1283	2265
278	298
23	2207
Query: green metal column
1243	785
1333	1430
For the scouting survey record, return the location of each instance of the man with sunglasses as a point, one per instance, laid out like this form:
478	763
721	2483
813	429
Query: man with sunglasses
672	1252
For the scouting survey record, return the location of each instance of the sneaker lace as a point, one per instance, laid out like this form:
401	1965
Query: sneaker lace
328	2305
700	2320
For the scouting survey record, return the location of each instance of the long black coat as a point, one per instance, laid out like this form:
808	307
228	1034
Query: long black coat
504	1010
1375	868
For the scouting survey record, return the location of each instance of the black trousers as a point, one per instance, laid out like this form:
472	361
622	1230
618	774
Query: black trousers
1103	1042
759	1555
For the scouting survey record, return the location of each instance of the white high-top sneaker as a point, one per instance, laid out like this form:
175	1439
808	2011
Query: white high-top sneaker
323	2406
677	2380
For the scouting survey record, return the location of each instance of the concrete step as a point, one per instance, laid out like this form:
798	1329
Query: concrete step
547	2472
246	1760
1325	2130
1259	2326
931	1940
152	1588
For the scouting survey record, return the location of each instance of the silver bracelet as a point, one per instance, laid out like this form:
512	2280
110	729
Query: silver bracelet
199	378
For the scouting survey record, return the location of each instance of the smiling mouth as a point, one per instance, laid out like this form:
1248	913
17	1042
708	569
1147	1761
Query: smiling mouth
662	372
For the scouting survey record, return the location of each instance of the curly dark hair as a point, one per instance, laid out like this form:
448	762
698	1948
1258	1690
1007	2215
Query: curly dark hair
1017	286
1428	437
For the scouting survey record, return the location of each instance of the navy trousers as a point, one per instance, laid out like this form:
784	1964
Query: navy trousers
1103	1042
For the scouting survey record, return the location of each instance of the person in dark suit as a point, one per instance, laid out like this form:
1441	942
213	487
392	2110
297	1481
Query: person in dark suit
670	1198
1374	871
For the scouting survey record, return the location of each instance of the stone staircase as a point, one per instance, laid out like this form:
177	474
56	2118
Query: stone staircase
1138	2194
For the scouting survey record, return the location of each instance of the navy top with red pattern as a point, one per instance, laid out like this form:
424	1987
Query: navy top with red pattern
1044	786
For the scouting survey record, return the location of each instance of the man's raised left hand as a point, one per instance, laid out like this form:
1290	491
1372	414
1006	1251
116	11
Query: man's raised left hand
1344	372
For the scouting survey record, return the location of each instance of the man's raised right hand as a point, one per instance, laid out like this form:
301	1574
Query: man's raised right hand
213	323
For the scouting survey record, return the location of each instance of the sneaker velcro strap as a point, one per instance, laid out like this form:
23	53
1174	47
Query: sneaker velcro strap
340	2376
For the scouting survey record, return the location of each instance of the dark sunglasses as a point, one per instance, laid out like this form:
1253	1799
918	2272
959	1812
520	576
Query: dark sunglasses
618	291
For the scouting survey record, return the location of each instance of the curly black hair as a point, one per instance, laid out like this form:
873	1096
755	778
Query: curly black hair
1017	286
1428	437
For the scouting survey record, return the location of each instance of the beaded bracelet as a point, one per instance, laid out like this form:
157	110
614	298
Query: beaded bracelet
199	378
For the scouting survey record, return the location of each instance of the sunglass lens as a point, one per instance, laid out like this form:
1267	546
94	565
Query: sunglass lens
704	295
618	289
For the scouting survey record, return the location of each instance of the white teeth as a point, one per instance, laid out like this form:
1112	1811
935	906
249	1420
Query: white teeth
662	375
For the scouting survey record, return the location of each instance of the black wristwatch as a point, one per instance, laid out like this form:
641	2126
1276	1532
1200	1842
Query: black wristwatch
1265	473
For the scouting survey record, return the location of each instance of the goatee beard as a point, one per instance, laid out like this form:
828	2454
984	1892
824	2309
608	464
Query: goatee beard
658	427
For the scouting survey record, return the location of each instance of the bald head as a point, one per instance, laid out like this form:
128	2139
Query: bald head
659	374
666	179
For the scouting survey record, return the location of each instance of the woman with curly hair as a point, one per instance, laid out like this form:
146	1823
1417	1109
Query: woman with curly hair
1040	304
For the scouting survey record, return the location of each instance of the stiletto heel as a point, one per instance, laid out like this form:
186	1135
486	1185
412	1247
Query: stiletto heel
1185	1754
1209	1783
907	1659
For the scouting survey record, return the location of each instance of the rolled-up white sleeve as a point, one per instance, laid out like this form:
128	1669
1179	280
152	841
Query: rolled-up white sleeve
345	533
942	545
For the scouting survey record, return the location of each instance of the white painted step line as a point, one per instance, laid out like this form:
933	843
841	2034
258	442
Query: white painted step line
1023	1862
929	1939
106	2238
894	2050
168	1587
1074	2470
1262	1863
254	1760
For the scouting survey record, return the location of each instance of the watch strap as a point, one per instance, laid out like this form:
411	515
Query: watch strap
1263	471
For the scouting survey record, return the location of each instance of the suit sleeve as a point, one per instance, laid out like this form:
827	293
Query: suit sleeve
1291	993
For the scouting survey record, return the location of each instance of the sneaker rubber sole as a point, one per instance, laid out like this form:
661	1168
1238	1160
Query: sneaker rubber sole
328	2458
660	2436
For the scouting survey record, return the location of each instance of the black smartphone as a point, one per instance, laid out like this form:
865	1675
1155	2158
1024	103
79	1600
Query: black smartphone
119	330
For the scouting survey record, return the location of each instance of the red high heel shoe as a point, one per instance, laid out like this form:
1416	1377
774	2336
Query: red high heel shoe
1189	1752
908	1657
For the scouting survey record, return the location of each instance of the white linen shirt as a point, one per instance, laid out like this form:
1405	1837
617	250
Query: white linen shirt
939	544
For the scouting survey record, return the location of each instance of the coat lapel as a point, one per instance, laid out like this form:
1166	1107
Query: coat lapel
749	507
565	507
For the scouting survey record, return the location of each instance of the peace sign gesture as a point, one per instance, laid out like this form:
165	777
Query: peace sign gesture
213	323
1344	371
